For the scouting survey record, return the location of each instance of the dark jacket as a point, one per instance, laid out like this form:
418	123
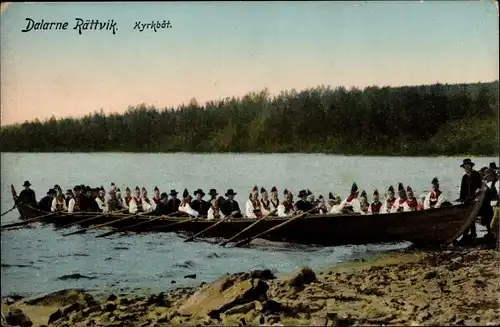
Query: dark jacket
303	205
229	206
93	206
469	186
27	196
200	206
45	203
173	206
161	209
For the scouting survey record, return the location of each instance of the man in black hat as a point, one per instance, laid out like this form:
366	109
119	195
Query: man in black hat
231	206
213	195
173	203
46	202
303	205
27	195
199	204
471	183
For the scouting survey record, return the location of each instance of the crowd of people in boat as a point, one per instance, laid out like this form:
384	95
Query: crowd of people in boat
260	202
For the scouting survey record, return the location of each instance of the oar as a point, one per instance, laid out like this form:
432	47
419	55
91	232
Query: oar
250	239
89	219
29	221
209	228
81	231
249	227
15	206
118	230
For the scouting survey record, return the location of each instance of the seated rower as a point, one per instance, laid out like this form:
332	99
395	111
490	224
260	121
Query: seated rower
303	205
137	203
231	206
400	201
69	195
213	195
363	203
101	201
147	204
412	203
112	187
173	203
214	212
252	207
435	198
376	205
92	194
389	201
156	195
127	198
422	200
286	208
185	205
320	206
274	202
58	203
200	205
351	204
265	204
78	202
113	203
45	203
162	208
119	195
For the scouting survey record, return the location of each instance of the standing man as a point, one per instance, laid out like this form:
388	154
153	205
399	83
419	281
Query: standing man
27	196
471	183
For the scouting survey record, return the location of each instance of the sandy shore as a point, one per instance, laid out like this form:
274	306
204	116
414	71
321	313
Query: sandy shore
455	287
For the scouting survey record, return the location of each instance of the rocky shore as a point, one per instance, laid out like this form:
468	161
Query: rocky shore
454	287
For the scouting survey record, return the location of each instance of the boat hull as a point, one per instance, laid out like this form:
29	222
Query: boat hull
426	228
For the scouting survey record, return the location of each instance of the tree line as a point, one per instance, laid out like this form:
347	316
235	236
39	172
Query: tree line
438	119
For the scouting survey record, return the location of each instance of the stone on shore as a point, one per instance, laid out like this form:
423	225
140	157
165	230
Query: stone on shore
225	293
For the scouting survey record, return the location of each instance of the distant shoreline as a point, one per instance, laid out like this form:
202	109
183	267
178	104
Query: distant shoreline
425	120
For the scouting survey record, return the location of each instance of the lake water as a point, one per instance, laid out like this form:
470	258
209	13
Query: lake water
34	259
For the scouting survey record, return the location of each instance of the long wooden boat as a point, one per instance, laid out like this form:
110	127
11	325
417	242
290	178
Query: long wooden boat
428	227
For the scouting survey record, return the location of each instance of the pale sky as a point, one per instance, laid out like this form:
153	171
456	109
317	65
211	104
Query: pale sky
220	49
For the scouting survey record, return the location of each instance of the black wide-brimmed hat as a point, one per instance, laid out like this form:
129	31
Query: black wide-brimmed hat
213	192
164	195
200	192
173	193
467	162
27	183
69	192
230	192
77	188
302	193
51	191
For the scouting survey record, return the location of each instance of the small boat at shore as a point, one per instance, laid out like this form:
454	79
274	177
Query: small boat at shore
424	228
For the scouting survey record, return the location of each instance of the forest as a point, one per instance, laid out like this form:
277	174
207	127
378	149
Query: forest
425	120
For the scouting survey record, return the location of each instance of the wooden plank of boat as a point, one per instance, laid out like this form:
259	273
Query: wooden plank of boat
84	230
26	222
425	227
472	216
118	230
86	220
